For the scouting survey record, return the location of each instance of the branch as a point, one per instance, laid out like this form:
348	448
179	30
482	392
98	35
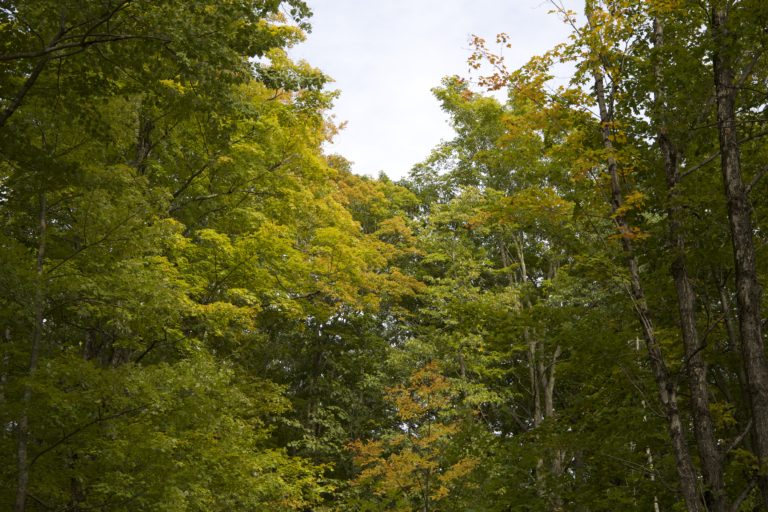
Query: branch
641	391
738	439
711	328
82	427
149	348
717	153
756	179
29	82
562	11
40	502
632	465
175	205
92	244
743	495
699	165
102	38
104	19
745	73
55	45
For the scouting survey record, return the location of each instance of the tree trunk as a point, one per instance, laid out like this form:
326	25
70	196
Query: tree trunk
666	388
547	376
538	415
748	291
711	461
5	365
144	138
652	470
22	446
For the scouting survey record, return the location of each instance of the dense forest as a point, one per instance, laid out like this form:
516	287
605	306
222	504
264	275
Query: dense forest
559	309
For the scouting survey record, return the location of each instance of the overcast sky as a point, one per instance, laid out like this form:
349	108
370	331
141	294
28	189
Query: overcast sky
386	55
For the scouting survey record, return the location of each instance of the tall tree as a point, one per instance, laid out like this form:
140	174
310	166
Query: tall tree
725	55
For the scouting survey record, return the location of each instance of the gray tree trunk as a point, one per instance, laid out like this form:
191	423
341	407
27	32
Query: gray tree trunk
748	290
711	460
666	389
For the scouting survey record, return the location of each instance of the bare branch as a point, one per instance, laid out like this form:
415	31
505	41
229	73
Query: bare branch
743	495
738	438
711	157
698	166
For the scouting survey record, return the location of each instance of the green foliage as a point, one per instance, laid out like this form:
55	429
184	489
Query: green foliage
201	310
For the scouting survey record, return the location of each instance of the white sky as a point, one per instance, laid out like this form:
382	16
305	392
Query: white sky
386	55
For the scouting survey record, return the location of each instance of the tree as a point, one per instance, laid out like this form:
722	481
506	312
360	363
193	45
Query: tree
414	465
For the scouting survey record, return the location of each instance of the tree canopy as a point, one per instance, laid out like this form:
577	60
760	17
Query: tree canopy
560	308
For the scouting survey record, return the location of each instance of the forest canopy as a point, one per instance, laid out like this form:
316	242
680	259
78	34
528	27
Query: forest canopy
560	308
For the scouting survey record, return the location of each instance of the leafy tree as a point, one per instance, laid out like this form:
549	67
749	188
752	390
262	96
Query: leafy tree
414	467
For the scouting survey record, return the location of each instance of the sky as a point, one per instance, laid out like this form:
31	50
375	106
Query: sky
386	55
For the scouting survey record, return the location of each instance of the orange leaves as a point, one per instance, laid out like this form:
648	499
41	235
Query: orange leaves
481	55
428	391
459	470
503	38
365	453
630	233
410	465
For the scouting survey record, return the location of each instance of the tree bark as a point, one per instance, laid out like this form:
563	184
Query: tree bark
748	290
711	460
666	388
144	143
